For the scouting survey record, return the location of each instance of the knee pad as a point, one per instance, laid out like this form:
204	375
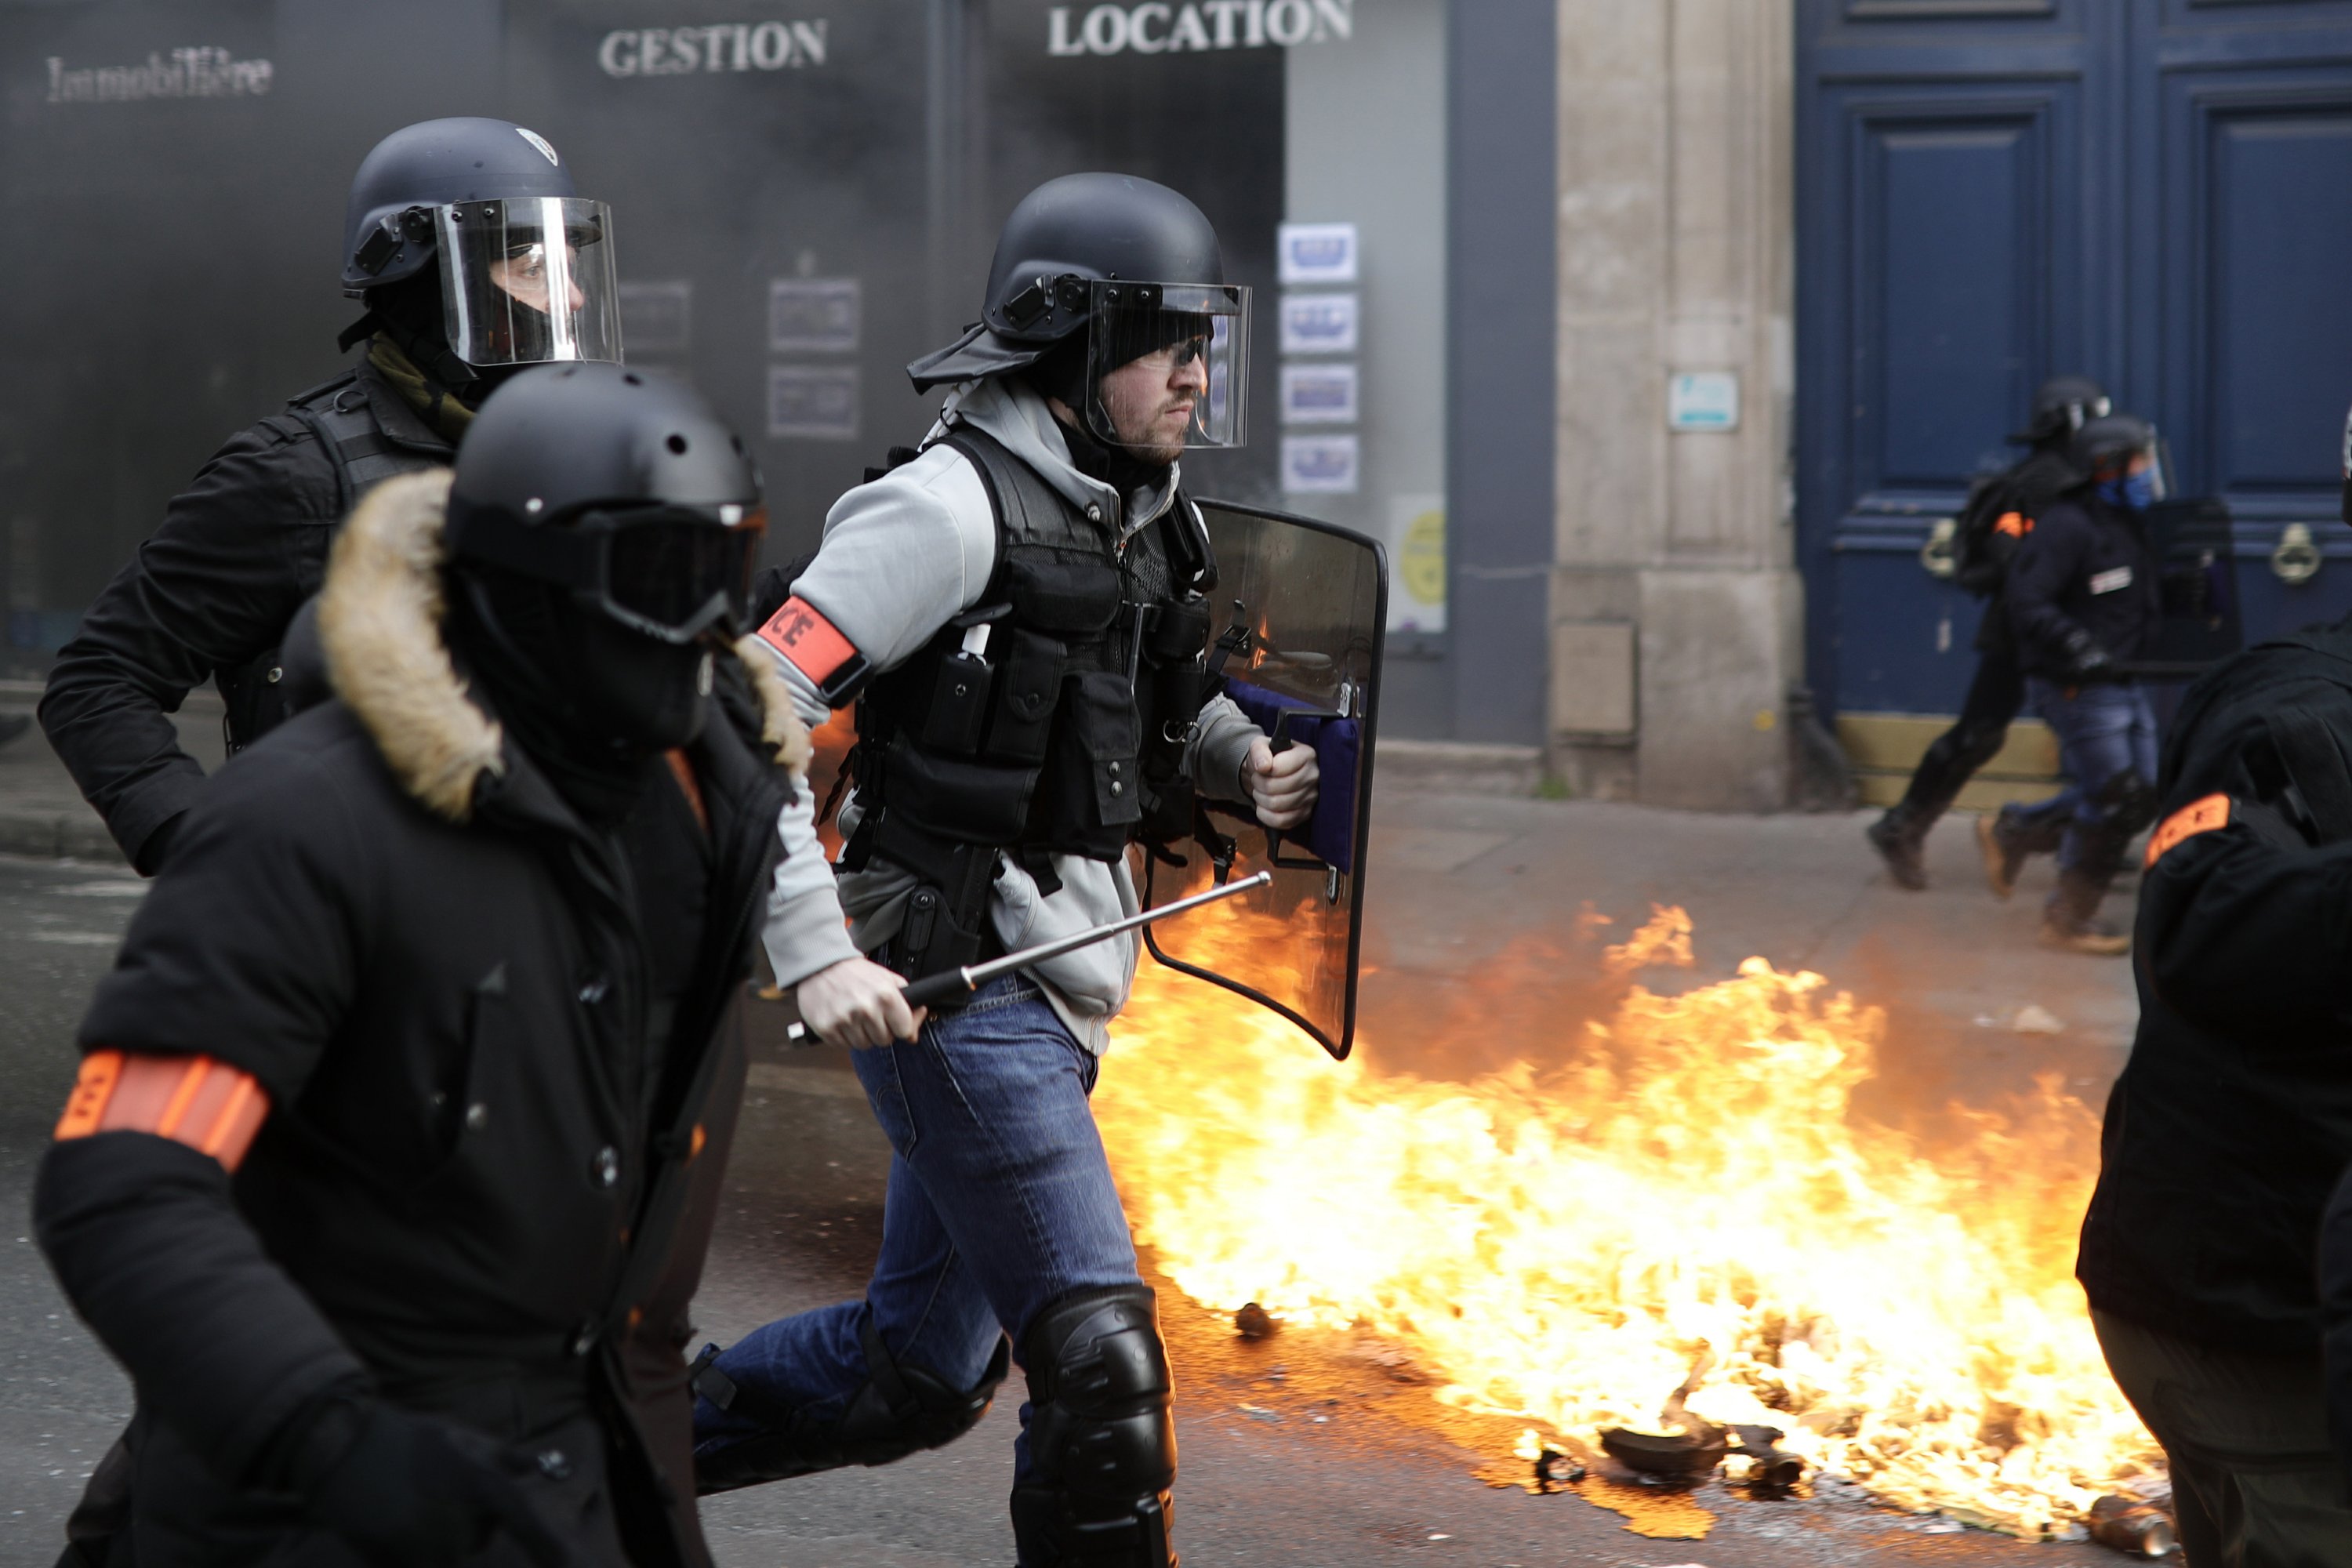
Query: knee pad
901	1409
1102	1435
2129	802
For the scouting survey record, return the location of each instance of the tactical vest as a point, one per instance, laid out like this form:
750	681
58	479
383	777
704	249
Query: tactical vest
363	456
1053	717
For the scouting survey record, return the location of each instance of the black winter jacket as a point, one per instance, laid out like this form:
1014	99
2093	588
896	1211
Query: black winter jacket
2233	1120
486	1185
2085	565
207	597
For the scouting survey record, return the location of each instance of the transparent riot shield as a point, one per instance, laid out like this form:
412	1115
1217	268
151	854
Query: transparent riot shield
2193	542
1297	641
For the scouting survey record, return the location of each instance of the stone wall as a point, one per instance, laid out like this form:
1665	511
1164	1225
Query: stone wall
1675	608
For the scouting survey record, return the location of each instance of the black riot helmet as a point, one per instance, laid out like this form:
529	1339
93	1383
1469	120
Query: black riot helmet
622	488
1130	269
2104	449
2061	406
469	242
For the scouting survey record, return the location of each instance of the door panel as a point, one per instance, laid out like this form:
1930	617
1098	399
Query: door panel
2146	191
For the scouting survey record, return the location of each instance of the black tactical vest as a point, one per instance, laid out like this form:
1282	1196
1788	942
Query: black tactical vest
344	419
1053	717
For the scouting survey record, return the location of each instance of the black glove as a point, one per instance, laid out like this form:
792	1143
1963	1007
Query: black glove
404	1489
2086	659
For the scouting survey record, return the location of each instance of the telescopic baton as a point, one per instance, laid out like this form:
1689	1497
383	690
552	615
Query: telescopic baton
933	989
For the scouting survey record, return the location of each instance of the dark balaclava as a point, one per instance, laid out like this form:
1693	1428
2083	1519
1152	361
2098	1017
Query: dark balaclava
409	313
588	700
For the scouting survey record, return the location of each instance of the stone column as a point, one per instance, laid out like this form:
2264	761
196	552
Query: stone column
1675	607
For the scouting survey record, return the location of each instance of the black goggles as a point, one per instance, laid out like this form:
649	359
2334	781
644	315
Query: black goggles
672	572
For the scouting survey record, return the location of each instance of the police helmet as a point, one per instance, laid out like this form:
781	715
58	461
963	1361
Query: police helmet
525	263
1134	266
621	486
2061	406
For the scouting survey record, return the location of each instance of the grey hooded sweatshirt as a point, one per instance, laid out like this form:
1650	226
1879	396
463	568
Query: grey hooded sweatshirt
901	557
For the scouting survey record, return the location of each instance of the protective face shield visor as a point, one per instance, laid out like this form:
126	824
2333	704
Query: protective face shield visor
1168	366
528	280
669	572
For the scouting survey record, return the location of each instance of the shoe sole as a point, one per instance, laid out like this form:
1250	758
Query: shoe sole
2089	947
1994	859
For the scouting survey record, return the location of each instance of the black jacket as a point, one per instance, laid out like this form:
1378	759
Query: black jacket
486	1182
208	596
2233	1120
2001	512
2085	565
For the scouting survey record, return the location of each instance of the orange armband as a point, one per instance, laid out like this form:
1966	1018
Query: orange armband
2204	815
210	1106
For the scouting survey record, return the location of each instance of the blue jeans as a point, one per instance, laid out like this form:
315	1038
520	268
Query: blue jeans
2103	728
999	1202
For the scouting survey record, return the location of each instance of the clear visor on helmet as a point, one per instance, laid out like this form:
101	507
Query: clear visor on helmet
1168	366
528	279
2151	457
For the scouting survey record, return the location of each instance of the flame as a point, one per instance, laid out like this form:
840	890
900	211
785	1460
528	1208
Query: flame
1686	1199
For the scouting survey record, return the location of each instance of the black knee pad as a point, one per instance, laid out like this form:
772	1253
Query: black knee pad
902	1409
1102	1435
2129	802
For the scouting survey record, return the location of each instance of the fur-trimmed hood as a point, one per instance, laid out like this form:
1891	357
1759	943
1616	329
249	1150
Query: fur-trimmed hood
380	628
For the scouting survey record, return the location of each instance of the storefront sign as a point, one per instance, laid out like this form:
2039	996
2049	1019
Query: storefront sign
1317	394
718	47
658	317
812	315
1319	465
1703	400
198	72
1197	25
1319	323
1317	252
812	402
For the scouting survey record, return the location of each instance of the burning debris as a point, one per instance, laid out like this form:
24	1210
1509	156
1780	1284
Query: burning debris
1558	1243
2134	1527
1254	1322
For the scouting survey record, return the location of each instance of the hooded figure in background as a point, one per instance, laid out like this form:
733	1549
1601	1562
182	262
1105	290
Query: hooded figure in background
396	1144
2000	511
476	256
2086	595
1018	611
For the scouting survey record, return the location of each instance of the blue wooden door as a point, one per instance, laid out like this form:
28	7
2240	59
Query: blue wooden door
2157	192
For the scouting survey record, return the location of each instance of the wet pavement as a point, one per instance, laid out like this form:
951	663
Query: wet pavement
1299	1449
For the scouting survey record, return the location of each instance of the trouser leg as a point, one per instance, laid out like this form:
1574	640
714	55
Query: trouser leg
1995	695
998	1158
2255	1483
2106	739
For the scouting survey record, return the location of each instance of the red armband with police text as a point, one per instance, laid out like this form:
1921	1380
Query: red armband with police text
817	647
208	1105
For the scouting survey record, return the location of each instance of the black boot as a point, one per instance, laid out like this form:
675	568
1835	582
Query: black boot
2070	919
1898	836
2004	851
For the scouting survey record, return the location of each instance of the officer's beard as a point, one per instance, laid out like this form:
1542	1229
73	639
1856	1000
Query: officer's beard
1060	376
587	700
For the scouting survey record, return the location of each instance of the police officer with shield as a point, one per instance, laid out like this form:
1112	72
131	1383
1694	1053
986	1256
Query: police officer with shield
1020	613
476	256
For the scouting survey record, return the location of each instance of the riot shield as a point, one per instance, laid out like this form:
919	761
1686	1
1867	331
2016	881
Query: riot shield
2192	541
1303	607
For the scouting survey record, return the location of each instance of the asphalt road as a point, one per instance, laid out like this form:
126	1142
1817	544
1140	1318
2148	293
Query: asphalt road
1297	1450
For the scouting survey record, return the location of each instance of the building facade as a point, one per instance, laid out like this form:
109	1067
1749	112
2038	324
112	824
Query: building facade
1654	341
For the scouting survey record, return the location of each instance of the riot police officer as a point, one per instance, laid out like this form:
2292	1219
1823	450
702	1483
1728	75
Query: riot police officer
474	256
1018	613
395	1147
2086	597
2000	512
